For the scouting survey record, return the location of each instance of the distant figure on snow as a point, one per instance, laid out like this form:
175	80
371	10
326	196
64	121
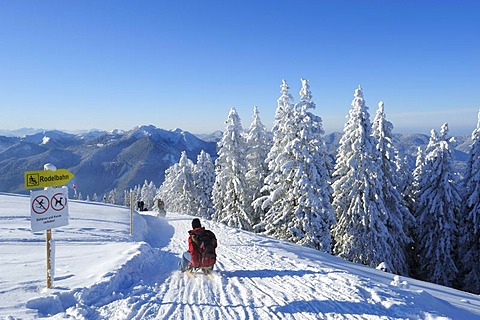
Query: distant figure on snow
161	207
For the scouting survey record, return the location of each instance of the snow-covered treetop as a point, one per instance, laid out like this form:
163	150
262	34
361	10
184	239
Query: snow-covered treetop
436	138
444	129
232	113
419	160
257	133
256	118
433	141
380	122
284	102
306	97
476	132
358	103
381	107
358	94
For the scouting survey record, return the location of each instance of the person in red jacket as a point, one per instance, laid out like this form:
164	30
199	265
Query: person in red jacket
201	248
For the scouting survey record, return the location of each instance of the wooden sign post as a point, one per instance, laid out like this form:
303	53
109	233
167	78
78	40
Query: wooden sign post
48	207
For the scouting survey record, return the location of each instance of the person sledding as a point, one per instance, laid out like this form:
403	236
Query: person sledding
201	249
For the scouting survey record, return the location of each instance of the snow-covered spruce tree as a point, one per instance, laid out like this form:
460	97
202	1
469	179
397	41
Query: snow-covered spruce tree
360	233
405	175
258	146
230	190
147	194
136	195
111	196
315	214
469	230
152	192
144	195
186	179
178	189
204	174
126	198
168	190
411	191
436	211
411	196
303	214
399	219
271	191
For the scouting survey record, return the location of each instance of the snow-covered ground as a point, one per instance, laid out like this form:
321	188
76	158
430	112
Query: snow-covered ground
101	272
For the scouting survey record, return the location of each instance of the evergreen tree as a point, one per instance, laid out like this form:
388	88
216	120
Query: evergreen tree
112	195
230	188
405	176
144	196
411	197
315	214
126	197
361	233
258	145
271	192
136	193
411	191
437	210
169	188
299	206
152	192
204	174
147	194
469	242
399	220
178	189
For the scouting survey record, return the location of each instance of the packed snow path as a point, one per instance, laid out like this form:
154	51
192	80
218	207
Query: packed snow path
257	278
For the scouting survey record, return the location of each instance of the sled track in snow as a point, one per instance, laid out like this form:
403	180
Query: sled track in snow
246	288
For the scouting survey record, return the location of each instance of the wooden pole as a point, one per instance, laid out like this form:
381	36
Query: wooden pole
131	214
49	262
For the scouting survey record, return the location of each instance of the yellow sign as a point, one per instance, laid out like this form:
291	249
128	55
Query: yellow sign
47	178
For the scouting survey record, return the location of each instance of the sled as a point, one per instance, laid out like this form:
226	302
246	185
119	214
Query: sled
192	272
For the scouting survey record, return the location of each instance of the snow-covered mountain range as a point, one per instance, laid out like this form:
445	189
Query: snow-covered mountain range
100	160
104	160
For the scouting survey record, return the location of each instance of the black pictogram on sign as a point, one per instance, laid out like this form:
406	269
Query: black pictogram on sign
40	204
33	180
58	202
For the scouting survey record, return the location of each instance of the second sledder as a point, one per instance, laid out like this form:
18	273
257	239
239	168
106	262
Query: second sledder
201	253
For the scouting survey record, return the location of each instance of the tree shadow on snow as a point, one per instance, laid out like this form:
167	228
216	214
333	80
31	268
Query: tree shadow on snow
362	309
332	306
267	273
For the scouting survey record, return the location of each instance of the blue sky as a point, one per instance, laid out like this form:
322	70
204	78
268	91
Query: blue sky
73	65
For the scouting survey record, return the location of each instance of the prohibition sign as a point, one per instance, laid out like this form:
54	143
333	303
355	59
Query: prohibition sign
58	201
40	204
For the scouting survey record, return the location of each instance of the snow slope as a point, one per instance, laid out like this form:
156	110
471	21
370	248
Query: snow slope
101	272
